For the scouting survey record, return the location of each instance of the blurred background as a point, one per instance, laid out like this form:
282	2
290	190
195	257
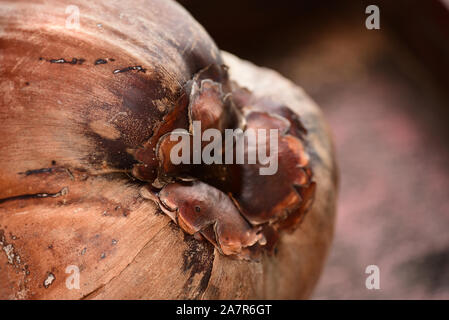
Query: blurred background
385	94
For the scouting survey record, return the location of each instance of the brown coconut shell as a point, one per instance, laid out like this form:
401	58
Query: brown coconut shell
69	128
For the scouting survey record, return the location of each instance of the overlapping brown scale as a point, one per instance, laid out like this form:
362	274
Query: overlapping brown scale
244	99
164	149
148	166
206	104
295	217
211	107
216	78
227	202
256	199
200	208
302	184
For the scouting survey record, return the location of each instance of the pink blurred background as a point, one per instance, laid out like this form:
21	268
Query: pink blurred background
385	94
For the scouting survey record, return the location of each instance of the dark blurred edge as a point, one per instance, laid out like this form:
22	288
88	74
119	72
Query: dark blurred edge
243	27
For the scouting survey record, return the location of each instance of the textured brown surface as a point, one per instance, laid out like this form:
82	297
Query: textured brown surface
66	127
